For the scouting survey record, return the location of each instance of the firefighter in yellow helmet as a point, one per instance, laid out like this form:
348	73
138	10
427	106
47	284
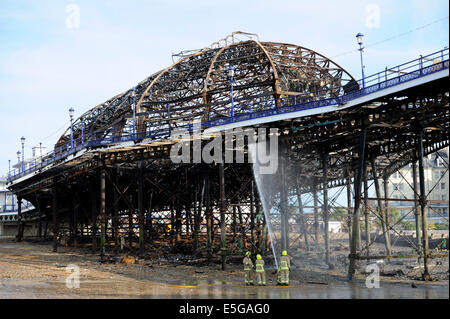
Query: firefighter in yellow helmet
248	269
285	266
260	273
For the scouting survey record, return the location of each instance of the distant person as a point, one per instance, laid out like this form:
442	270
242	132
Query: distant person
443	243
260	273
248	269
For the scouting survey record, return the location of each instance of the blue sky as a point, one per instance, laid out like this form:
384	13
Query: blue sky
46	67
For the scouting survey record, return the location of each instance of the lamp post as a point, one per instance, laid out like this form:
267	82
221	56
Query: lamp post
231	75
22	140
133	99
9	168
18	160
71	111
359	39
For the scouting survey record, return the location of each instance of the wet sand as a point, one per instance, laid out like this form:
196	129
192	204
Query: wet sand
33	271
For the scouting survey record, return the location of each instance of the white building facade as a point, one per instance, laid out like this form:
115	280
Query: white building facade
436	173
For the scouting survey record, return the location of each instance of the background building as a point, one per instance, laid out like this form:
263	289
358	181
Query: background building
400	186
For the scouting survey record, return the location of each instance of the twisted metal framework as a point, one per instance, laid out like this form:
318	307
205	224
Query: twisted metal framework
198	86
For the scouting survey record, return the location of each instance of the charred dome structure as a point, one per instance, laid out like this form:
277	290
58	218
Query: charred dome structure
197	87
111	177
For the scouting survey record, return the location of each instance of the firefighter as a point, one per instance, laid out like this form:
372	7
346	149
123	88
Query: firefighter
260	273
285	266
248	269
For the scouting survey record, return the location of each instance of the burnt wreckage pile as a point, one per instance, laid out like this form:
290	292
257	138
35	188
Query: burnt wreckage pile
132	190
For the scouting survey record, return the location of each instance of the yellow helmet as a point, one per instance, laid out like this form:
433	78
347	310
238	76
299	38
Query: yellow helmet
284	253
258	256
247	253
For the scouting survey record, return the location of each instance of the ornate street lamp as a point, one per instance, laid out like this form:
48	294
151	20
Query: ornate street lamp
133	99
22	140
18	160
71	112
359	39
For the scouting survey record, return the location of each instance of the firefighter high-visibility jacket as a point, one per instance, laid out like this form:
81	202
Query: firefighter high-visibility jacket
285	266
248	270
285	263
248	264
260	273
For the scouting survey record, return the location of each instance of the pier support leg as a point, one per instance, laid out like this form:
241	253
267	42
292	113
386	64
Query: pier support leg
19	219
94	215
149	219
349	209
177	221
252	213
284	207
423	204
325	212
39	220
316	213
131	226
381	209
141	209
416	203
208	217
76	208
357	186
302	218
366	212
102	214
55	217
116	214
386	205
223	238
